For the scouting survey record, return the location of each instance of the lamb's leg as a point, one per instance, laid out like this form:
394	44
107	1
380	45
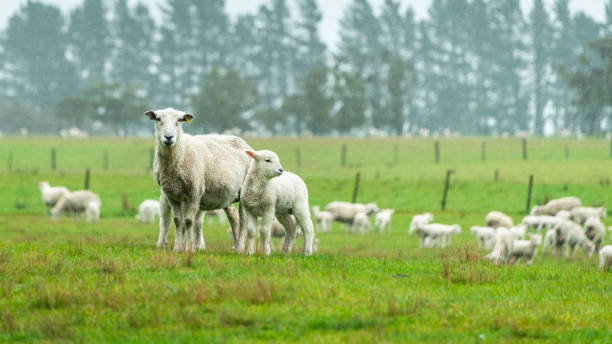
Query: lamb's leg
242	233
250	225
290	232
179	240
165	220
199	231
303	219
265	232
232	217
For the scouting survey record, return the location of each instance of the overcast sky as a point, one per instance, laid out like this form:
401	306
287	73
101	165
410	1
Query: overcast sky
332	10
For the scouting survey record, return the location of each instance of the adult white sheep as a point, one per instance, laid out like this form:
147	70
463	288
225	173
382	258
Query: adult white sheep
148	210
564	214
556	205
581	214
383	220
541	222
51	194
323	219
361	223
195	173
485	236
269	191
605	257
595	230
79	203
504	245
420	220
345	212
569	236
439	234
498	219
525	249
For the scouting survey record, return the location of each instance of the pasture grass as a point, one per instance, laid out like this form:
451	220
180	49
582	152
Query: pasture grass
67	281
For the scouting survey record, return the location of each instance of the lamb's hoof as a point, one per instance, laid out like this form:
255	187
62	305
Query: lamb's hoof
161	244
178	249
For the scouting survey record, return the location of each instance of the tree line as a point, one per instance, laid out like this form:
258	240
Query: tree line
477	67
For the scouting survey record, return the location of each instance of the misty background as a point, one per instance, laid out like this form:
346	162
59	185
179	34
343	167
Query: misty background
474	67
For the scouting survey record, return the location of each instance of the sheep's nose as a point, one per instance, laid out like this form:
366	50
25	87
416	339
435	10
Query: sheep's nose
168	138
281	170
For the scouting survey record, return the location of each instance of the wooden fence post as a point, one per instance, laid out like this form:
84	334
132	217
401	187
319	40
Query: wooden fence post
87	177
446	188
343	155
529	190
437	151
356	186
524	149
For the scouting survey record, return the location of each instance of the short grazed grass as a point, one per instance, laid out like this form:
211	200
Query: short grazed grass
67	281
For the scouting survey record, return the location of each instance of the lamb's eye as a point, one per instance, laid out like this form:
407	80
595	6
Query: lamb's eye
269	161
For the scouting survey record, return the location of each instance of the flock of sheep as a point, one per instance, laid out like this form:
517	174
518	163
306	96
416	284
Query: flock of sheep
568	226
209	173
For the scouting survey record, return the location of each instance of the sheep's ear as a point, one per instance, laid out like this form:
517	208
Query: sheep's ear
187	118
251	154
151	114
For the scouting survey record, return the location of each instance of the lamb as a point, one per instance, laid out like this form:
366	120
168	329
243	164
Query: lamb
570	235
360	224
541	222
595	230
217	213
195	174
323	219
581	214
485	236
383	220
498	219
436	234
605	257
148	211
51	194
420	220
525	249
556	205
79	203
269	191
504	245
345	212
550	240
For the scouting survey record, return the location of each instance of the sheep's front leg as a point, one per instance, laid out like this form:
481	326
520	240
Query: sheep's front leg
179	240
190	210
265	232
199	231
232	217
165	220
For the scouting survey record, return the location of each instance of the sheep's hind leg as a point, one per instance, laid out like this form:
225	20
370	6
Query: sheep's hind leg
290	232
199	231
232	217
165	220
308	231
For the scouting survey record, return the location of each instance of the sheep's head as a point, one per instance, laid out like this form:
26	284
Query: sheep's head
371	209
168	125
535	210
43	185
267	163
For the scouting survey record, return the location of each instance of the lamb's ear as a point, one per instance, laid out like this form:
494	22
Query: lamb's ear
151	114
251	154
187	118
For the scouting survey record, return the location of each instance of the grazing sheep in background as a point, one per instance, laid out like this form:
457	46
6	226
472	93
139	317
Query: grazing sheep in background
485	236
518	232
496	219
556	205
550	240
504	245
437	234
569	236
541	222
605	257
383	220
195	173
525	249
564	214
323	219
51	194
581	214
269	191
79	203
148	210
345	212
420	220
361	223
595	230
219	214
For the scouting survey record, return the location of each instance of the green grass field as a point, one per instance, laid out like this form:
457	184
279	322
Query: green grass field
68	281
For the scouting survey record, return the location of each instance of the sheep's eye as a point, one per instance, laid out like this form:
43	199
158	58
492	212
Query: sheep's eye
268	161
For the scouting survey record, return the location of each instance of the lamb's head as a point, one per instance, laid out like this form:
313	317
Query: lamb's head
535	210
168	125
371	209
603	212
455	229
43	185
266	163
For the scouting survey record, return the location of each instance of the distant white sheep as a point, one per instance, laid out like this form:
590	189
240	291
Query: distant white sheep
605	257
383	220
569	236
518	232
51	194
498	219
79	203
148	211
345	212
420	220
436	234
361	223
504	245
323	219
595	230
556	205
550	240
485	236
581	214
269	191
525	249
564	214
540	222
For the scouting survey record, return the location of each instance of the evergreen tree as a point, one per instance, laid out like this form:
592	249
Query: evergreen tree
90	41
540	40
350	93
311	50
211	26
